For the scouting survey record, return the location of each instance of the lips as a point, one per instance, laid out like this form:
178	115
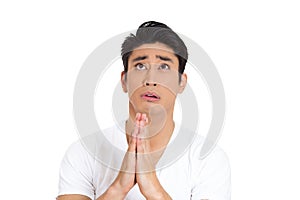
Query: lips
150	96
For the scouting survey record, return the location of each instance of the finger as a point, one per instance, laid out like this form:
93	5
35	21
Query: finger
144	128
142	123
138	116
142	145
132	144
136	129
130	127
133	140
139	146
143	117
140	134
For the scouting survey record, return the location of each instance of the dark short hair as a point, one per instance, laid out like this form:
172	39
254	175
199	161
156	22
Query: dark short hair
151	32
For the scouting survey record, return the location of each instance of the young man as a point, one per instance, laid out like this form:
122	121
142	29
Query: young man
154	61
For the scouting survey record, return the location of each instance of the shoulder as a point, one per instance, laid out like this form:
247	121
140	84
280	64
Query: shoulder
95	147
216	155
75	149
77	158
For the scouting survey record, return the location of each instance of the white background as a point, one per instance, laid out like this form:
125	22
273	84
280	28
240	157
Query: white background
254	44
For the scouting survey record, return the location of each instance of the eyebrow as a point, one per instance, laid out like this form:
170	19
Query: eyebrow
139	58
164	58
157	56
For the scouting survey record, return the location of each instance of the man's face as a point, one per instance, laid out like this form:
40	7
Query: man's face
152	79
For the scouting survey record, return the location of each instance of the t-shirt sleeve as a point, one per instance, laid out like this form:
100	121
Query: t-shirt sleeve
76	172
211	177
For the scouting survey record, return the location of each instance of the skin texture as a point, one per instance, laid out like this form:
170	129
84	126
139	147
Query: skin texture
150	124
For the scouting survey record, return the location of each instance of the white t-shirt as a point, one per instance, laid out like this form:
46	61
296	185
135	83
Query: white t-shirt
185	178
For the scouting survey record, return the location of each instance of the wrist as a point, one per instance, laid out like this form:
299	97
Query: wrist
154	193
114	192
157	196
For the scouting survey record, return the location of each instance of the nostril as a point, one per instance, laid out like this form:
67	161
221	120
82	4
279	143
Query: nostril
148	84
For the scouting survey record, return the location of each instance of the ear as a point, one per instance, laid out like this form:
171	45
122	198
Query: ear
182	83
123	81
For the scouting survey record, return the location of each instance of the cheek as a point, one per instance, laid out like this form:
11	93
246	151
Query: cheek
133	83
169	82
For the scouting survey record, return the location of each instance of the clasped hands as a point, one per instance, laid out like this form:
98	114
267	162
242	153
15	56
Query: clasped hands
138	166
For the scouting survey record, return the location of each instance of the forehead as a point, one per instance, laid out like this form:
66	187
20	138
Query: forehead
153	50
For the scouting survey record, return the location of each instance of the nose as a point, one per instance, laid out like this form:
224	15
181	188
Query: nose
149	78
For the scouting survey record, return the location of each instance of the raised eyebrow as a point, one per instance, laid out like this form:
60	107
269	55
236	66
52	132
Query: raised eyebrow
139	58
164	58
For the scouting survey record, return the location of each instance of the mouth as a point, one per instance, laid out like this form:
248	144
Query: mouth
150	96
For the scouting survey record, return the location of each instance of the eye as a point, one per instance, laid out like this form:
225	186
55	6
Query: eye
140	66
164	67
